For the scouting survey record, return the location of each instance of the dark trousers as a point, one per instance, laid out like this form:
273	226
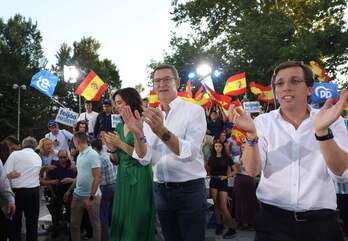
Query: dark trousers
274	224
3	227
342	205
56	205
27	201
106	209
182	210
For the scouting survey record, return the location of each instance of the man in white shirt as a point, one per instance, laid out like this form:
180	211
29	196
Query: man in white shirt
23	169
172	140
298	151
60	138
89	116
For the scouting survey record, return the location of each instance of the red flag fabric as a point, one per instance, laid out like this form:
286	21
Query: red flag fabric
235	85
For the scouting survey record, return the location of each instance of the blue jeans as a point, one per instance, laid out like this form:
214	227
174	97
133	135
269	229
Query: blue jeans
182	210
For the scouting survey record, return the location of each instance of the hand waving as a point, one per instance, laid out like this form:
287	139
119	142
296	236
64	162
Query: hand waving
133	121
242	120
329	113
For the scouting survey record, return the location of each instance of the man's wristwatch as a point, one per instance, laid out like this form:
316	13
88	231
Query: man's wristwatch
326	137
112	152
166	136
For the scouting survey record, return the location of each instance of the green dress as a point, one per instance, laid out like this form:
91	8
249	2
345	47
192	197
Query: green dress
133	214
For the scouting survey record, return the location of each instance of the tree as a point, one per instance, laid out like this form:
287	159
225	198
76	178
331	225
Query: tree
255	36
21	56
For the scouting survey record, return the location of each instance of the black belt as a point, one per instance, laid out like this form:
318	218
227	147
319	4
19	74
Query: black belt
173	185
300	216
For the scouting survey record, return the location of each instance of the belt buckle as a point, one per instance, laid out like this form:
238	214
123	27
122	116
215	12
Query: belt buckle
297	218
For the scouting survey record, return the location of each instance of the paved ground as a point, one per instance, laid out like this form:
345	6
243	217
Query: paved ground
45	220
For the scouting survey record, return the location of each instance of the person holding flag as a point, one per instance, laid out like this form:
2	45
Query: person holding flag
298	151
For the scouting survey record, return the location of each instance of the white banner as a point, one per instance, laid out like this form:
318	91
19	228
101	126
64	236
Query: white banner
66	117
252	106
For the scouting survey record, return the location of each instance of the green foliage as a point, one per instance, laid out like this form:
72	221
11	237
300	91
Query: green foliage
21	56
255	36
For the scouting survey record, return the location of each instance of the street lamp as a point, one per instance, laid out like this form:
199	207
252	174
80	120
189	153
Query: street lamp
22	87
71	75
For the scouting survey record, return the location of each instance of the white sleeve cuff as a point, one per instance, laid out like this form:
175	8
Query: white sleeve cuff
146	160
340	179
184	149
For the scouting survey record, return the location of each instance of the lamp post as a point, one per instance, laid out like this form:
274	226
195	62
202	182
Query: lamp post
22	87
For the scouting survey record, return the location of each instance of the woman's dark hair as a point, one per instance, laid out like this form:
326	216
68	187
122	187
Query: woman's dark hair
4	152
131	97
223	153
97	145
78	125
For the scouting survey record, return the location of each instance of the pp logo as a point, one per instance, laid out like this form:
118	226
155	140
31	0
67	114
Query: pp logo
43	84
323	93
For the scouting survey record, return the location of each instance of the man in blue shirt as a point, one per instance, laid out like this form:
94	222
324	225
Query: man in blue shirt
87	193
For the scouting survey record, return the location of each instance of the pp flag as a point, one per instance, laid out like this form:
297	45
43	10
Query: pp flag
92	88
323	91
45	82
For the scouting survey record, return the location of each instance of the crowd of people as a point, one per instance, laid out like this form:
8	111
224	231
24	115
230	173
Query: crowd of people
111	182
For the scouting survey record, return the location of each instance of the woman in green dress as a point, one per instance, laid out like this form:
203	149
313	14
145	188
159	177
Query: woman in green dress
133	215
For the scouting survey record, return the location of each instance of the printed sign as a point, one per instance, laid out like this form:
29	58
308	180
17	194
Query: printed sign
252	106
324	91
66	117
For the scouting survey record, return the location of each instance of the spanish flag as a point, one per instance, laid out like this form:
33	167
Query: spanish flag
189	89
319	72
221	100
186	97
92	87
153	99
235	85
238	135
202	98
264	93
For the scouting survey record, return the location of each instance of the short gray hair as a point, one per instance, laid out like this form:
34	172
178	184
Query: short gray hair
29	142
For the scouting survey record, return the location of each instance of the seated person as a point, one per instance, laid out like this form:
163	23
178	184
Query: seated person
59	180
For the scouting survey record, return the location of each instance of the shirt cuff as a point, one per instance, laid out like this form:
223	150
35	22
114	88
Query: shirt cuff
184	149
340	179
145	160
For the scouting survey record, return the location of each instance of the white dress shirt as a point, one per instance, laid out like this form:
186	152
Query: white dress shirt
188	123
62	137
28	164
91	118
294	173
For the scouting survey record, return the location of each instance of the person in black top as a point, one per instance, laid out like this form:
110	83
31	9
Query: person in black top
218	167
103	122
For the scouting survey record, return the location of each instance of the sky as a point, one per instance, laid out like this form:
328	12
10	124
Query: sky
131	33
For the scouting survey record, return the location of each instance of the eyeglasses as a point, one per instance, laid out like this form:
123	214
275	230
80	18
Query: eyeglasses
165	80
293	82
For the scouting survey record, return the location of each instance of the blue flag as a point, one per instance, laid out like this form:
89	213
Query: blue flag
323	91
45	82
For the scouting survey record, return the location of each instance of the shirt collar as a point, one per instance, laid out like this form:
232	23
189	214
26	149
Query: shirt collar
86	150
174	103
277	114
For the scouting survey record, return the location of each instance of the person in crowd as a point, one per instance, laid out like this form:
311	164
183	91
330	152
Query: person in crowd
298	151
7	201
134	201
103	122
59	180
215	124
227	144
89	117
60	138
145	102
172	140
107	187
86	188
46	152
244	193
207	146
23	169
13	143
219	168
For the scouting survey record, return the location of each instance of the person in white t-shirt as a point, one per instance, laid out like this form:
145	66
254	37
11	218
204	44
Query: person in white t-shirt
299	152
60	138
89	116
23	170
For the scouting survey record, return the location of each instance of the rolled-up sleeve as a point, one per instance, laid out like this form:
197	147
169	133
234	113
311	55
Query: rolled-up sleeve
5	188
191	144
146	160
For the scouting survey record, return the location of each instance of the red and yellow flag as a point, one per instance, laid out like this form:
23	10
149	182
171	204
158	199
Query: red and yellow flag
153	99
235	85
238	135
186	97
319	71
221	100
92	87
189	88
264	93
202	98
